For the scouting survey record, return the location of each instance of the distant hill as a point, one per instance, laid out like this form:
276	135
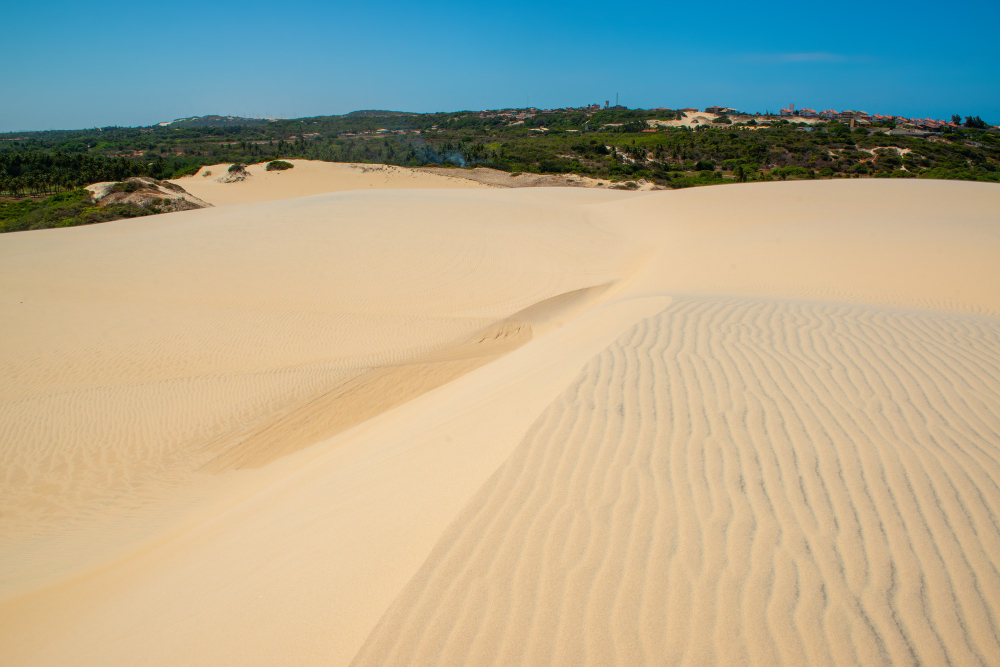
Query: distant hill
375	113
214	121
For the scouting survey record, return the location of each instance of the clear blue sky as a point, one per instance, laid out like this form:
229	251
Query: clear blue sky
78	64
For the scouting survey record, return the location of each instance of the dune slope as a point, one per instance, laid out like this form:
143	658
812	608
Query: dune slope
310	177
738	425
139	357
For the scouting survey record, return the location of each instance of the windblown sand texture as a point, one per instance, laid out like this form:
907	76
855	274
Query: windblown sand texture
744	425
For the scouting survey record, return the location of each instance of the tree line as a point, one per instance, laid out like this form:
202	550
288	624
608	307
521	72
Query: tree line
609	144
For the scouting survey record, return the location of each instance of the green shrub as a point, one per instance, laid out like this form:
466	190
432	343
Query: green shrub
279	165
785	172
190	170
703	178
959	174
126	186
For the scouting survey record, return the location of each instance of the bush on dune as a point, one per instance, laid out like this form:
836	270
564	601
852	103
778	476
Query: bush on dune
127	186
279	165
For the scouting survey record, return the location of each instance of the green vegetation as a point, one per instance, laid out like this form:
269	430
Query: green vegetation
976	122
66	209
32	170
126	186
279	165
610	144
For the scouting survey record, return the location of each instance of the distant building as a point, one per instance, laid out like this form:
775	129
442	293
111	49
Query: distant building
719	110
847	116
929	124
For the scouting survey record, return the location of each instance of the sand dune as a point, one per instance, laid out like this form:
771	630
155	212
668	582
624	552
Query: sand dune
310	177
741	425
149	359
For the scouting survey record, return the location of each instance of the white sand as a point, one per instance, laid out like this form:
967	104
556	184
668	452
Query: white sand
753	424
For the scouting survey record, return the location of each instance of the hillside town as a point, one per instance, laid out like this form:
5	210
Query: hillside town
863	118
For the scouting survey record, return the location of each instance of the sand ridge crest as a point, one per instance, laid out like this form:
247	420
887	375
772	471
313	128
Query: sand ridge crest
384	387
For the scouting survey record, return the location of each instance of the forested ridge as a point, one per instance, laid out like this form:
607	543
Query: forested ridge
615	144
